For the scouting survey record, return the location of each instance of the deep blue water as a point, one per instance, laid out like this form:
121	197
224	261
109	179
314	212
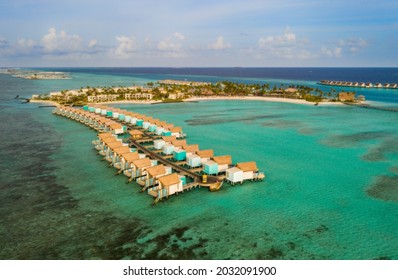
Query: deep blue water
273	76
382	75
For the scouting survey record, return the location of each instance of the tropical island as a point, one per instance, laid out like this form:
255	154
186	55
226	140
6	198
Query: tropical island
179	91
36	75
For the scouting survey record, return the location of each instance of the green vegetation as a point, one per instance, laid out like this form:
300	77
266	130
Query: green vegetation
177	92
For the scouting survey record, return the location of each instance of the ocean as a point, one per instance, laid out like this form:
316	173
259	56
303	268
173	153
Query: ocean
331	190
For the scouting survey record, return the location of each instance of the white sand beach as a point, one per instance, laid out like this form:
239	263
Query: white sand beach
269	99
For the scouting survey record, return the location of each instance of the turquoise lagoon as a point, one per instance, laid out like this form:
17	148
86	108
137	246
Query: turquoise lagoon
331	190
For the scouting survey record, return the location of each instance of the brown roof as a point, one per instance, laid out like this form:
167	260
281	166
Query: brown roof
105	135
205	153
169	180
142	163
135	132
115	126
148	119
223	159
114	145
156	170
109	139
122	150
169	138
130	157
179	143
247	166
191	148
175	129
167	125
161	123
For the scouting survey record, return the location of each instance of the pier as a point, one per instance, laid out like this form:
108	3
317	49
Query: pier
154	153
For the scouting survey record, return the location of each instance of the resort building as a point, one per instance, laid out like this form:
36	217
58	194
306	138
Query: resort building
248	168
346	96
172	183
223	162
205	155
102	97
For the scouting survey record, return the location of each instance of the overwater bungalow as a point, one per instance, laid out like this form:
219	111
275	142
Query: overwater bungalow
169	139
118	152
193	160
248	168
153	173
179	154
172	183
159	130
100	141
223	162
176	131
166	132
111	146
168	149
205	155
104	148
179	143
138	168
139	122
210	167
152	128
126	161
116	128
191	149
234	175
158	144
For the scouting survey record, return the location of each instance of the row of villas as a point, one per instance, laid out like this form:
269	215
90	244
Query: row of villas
144	94
114	97
158	179
359	84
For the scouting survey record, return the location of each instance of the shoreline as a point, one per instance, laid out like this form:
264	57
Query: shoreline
270	99
250	98
44	101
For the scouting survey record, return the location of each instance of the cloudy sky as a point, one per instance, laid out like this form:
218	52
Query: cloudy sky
188	33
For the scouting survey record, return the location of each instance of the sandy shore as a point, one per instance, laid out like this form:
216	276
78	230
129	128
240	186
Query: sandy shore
257	98
269	99
48	102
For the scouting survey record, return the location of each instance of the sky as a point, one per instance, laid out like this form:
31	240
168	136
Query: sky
200	33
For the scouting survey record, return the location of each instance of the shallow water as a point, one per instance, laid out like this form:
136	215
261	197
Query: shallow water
330	191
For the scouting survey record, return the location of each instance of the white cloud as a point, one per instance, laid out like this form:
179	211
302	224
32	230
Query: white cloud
344	46
286	45
171	46
93	43
219	44
3	43
60	43
286	39
179	36
127	46
168	45
332	52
